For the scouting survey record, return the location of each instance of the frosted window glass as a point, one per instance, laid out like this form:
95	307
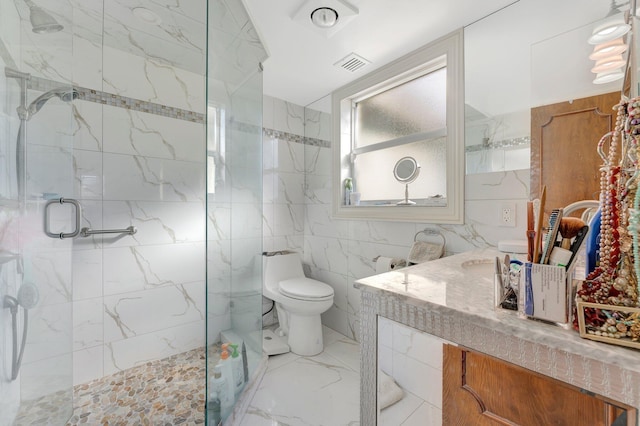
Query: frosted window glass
416	106
374	172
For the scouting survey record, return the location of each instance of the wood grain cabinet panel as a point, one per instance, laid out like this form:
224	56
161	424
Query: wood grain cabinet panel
564	140
482	390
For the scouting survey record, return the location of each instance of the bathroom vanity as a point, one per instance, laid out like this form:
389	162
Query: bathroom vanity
545	369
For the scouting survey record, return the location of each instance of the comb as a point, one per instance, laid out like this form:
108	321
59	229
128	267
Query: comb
552	234
538	223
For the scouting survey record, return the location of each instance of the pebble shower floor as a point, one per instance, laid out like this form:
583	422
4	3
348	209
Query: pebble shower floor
169	391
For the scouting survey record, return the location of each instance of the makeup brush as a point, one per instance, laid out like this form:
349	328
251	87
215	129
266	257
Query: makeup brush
569	228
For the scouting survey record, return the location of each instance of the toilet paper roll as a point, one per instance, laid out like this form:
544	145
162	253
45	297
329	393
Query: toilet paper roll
386	264
383	264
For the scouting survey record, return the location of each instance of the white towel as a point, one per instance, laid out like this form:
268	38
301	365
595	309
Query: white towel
388	391
423	251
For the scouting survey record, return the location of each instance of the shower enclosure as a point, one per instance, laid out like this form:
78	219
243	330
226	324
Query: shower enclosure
144	119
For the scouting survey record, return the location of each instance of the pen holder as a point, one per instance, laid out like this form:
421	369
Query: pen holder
547	294
505	295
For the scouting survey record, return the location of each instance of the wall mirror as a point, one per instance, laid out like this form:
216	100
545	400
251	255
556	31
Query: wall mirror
406	171
545	60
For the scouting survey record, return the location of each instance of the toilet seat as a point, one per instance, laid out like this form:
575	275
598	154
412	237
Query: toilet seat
305	289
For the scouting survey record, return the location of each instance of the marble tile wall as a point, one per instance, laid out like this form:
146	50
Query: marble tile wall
414	360
134	298
297	211
139	297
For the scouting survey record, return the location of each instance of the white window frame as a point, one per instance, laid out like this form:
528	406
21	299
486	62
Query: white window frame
395	73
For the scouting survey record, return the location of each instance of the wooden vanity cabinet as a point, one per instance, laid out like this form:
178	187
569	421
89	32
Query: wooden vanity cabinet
481	390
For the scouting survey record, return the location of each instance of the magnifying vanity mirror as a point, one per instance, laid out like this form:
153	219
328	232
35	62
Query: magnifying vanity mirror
406	171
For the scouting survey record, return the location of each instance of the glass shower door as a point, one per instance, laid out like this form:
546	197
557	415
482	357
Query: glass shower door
36	165
234	198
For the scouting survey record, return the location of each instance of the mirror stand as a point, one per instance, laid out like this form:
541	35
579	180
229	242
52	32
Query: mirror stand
407	201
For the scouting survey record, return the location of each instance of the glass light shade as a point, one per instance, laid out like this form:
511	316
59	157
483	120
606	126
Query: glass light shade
609	63
613	47
324	17
611	28
608	76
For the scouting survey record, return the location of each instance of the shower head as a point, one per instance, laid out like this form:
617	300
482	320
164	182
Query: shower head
41	21
64	93
28	295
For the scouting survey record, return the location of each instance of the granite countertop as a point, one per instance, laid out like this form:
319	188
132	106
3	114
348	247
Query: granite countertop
446	287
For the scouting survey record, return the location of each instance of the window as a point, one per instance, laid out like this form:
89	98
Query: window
412	107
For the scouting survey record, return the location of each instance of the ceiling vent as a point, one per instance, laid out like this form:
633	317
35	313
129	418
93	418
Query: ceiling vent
352	62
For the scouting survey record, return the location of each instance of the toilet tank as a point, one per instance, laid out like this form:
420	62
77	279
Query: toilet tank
282	267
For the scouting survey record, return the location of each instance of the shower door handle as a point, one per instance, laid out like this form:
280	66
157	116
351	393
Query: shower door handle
78	215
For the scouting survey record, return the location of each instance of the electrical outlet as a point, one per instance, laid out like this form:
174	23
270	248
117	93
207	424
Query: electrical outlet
508	214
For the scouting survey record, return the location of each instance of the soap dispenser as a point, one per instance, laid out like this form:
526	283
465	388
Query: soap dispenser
219	396
226	370
237	368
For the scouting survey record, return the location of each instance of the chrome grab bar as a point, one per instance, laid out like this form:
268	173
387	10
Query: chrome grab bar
62	235
85	232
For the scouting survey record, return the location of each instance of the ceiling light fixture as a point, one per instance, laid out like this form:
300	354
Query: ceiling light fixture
324	17
147	16
612	27
607	64
613	47
609	76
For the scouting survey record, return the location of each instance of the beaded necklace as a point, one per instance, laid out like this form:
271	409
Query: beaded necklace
615	280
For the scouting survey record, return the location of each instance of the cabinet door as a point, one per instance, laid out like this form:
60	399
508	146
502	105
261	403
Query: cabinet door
482	390
564	140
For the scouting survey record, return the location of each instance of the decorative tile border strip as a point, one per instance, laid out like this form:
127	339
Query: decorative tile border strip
524	141
290	137
91	95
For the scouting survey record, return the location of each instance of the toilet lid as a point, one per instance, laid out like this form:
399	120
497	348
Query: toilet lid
305	288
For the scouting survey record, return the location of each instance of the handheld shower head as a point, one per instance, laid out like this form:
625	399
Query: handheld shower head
64	93
28	295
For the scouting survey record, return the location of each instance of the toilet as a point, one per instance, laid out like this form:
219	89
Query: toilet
299	302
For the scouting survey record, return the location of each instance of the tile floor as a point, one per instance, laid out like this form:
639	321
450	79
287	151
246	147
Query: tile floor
295	391
325	390
305	391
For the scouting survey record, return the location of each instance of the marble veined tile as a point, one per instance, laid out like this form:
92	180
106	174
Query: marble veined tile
346	350
127	353
422	347
156	222
87	125
150	80
87	323
139	133
289	156
328	395
397	413
318	160
418	378
130	269
129	177
50	332
288	117
426	414
143	312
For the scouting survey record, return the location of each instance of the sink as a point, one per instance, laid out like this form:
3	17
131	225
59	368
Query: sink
480	266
